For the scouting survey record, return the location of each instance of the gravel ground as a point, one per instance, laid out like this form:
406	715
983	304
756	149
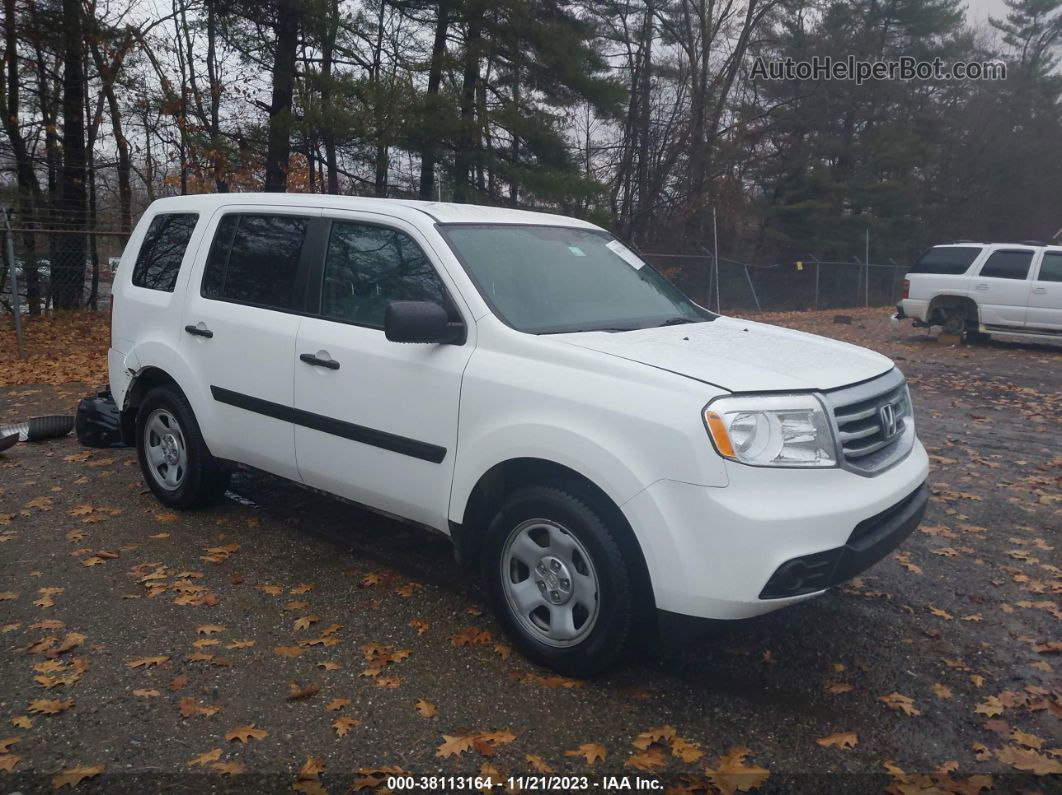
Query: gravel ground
153	635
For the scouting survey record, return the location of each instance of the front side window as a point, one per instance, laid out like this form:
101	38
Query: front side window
551	279
159	260
367	266
1051	267
1007	265
254	260
951	260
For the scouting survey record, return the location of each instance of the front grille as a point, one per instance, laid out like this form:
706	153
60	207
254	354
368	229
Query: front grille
872	421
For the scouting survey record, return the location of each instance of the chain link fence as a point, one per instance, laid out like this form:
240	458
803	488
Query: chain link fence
791	286
59	268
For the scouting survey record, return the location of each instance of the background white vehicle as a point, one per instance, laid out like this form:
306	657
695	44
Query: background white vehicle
975	289
608	455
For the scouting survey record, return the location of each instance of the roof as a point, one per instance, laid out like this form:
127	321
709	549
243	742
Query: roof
441	212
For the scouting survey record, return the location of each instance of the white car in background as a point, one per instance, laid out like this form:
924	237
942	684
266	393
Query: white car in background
975	289
609	457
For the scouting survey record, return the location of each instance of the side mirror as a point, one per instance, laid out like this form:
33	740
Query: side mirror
420	322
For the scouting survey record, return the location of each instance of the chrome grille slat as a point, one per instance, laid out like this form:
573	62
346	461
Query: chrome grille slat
857	412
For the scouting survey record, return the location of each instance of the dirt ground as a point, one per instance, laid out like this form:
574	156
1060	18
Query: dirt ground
281	641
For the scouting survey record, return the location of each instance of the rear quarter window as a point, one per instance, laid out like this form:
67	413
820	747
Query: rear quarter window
159	260
950	260
254	260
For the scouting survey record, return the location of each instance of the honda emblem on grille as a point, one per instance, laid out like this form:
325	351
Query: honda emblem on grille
888	420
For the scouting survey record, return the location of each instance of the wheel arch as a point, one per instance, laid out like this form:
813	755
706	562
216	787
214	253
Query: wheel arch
945	301
146	379
504	477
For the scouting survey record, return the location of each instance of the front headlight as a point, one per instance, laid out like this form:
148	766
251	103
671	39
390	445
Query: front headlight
771	430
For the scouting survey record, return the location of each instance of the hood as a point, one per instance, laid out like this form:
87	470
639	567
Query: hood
739	355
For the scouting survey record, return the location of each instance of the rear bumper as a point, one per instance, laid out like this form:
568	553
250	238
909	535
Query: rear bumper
913	309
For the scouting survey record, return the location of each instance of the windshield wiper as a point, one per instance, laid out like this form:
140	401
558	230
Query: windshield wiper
675	321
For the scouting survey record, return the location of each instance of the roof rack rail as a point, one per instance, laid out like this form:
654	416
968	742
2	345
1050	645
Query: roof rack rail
953	242
1033	243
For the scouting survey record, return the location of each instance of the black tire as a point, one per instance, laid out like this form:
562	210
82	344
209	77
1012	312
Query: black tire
974	336
612	628
202	480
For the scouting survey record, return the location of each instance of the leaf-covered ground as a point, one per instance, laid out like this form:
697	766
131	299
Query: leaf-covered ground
281	642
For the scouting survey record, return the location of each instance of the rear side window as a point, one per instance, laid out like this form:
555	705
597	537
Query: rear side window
159	260
254	260
368	266
951	260
1007	265
1051	267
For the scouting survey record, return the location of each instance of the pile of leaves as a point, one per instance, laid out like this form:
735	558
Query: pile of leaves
60	348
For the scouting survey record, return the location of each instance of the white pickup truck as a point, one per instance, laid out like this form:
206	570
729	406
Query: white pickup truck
976	289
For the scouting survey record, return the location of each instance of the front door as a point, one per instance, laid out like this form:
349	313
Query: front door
376	420
238	337
1001	288
1045	297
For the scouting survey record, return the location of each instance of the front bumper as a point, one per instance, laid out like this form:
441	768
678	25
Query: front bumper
872	539
711	552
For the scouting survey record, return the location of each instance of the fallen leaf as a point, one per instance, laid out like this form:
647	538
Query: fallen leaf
839	687
298	693
591	752
648	760
73	776
426	708
337	704
990	707
900	703
144	693
454	746
288	651
8	762
209	629
538	764
1029	760
245	733
147	662
941	691
206	757
343	725
839	740
45	707
731	774
685	750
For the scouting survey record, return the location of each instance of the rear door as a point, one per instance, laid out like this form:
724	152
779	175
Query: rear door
1045	298
1001	286
239	328
377	420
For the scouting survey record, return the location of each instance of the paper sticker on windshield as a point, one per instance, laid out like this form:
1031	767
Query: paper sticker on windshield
576	251
625	254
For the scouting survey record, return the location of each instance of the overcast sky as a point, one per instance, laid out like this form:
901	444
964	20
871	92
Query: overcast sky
981	10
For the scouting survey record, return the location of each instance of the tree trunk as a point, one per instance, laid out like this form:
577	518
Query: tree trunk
467	141
278	149
29	189
68	272
328	133
429	149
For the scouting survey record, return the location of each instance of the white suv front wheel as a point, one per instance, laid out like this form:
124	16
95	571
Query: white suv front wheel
559	581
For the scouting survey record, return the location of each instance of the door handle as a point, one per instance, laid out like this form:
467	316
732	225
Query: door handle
1040	290
982	287
199	332
309	358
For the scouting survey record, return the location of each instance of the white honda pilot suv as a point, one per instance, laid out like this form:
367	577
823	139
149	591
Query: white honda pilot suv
610	456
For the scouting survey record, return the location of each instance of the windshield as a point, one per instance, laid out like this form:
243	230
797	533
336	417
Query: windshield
551	279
